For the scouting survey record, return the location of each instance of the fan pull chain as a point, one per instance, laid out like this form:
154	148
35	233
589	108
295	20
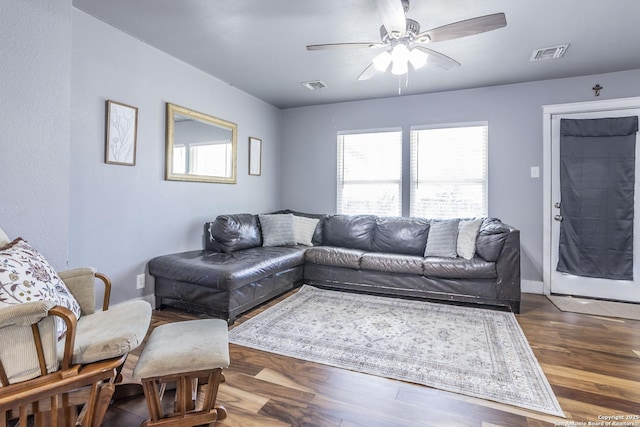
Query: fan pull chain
406	82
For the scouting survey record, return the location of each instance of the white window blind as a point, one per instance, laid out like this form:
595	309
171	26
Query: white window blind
370	173
449	171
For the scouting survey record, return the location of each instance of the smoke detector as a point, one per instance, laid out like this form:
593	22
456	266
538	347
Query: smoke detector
314	84
554	52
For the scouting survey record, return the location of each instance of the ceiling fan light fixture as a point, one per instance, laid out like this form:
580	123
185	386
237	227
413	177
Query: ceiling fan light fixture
382	61
400	59
400	53
417	58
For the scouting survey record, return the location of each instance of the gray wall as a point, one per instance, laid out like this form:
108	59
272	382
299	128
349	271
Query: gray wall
514	114
35	47
121	216
59	66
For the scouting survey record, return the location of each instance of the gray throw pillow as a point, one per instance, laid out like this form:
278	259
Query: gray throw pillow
467	235
443	239
277	230
303	229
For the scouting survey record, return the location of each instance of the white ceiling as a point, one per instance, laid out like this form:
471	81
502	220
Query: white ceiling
258	46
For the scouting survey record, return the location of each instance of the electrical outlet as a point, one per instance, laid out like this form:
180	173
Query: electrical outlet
140	281
535	172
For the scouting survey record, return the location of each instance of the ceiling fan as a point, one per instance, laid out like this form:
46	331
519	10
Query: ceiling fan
403	42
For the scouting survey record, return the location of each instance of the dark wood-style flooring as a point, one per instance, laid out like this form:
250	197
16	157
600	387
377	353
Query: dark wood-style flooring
592	363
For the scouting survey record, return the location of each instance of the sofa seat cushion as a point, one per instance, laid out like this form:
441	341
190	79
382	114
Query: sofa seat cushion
459	268
227	271
392	263
334	256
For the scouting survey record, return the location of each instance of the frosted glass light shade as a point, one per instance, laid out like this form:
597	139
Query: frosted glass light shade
399	68
417	58
400	55
382	61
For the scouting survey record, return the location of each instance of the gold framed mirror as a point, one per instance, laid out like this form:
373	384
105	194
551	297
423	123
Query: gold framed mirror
199	147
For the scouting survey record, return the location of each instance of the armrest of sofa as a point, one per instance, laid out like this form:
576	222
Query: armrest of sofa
82	284
508	269
210	243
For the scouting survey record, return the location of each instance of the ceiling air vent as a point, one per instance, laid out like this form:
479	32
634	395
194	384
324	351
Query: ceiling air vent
554	52
315	84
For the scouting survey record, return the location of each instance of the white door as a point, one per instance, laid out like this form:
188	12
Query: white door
564	283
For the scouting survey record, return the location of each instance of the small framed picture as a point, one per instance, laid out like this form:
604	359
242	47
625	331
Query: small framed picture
255	156
121	134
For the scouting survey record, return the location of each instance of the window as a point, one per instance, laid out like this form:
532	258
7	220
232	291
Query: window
205	158
449	171
370	173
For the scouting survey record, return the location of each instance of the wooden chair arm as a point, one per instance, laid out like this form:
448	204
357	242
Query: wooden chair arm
107	290
69	338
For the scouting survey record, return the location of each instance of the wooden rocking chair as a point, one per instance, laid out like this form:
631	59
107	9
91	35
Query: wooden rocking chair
68	382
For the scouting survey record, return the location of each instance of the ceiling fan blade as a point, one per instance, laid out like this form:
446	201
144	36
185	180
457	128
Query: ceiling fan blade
464	28
368	72
439	59
343	46
393	18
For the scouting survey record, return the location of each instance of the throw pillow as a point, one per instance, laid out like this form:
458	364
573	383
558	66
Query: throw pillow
277	230
442	239
26	276
303	229
4	240
467	235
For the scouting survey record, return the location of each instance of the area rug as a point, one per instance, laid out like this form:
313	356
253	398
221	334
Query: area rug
471	351
596	307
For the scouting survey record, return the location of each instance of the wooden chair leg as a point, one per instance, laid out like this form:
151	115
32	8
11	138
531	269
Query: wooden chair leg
102	403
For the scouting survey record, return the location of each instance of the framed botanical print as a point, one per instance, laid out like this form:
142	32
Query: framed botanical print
121	134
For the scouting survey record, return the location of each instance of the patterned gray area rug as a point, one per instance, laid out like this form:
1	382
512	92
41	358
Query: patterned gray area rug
475	352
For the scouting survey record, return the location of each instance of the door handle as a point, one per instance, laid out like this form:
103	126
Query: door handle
558	217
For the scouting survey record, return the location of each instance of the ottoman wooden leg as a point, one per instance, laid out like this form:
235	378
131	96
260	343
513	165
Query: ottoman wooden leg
205	344
186	413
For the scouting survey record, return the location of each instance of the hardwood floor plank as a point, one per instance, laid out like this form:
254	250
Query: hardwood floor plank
592	364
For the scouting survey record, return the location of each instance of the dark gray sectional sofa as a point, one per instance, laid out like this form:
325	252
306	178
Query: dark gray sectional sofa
362	253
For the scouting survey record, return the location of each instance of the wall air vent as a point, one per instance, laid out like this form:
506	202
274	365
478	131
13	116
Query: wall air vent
554	52
314	84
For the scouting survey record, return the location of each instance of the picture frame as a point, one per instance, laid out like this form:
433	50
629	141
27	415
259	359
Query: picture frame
255	156
121	134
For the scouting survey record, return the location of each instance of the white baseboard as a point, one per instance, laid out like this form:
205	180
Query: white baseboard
532	287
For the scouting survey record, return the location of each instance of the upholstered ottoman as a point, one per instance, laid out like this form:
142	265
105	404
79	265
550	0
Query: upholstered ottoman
183	353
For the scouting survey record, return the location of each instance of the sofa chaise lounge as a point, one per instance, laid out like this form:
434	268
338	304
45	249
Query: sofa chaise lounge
249	259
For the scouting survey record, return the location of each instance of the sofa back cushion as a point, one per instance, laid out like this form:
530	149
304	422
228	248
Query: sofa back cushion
346	231
400	235
491	238
235	232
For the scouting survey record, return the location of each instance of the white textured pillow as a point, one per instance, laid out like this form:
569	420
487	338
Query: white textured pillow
26	276
467	236
4	240
277	229
303	229
442	238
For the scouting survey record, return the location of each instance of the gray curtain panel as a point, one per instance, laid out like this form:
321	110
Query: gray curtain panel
597	178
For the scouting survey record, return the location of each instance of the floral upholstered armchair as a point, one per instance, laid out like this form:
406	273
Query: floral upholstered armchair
60	357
